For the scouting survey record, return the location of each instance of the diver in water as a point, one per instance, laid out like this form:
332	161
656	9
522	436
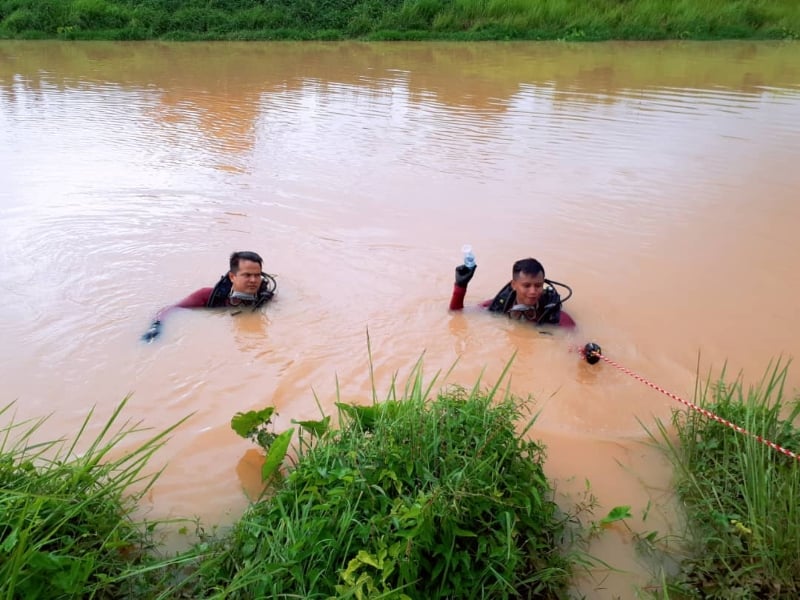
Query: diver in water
529	296
244	285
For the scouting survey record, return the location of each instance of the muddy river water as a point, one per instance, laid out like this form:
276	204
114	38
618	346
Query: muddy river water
659	180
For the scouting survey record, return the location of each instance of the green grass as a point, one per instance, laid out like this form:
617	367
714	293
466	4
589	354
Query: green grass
66	529
400	19
413	497
422	495
419	496
742	498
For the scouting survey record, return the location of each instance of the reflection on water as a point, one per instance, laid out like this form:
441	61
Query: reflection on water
657	180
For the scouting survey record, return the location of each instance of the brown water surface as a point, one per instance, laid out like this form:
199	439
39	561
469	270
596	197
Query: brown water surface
658	180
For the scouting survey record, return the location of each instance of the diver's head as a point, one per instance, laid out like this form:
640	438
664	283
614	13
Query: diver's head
527	280
245	272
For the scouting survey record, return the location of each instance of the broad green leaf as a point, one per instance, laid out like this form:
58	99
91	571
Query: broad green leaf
368	559
245	423
277	452
352	568
618	513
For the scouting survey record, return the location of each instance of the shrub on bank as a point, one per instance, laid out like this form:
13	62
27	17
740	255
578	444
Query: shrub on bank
410	498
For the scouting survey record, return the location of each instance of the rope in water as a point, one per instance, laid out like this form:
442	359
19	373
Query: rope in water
592	353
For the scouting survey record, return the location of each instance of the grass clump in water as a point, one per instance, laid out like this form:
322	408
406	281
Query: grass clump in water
742	498
410	498
65	518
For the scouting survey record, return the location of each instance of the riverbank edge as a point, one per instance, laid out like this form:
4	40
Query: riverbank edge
409	20
67	522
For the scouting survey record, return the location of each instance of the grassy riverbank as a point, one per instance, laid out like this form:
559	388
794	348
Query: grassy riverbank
65	516
742	498
422	495
409	498
400	19
418	496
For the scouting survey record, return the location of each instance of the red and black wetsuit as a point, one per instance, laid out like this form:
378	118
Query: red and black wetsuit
219	296
198	299
505	300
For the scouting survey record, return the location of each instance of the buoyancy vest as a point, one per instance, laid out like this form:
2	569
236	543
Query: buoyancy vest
548	308
221	292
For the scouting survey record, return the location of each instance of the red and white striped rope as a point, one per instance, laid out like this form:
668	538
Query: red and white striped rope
691	405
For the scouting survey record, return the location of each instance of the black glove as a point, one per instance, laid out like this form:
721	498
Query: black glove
153	332
464	274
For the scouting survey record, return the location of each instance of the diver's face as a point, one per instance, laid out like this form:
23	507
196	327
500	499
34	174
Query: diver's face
248	278
529	288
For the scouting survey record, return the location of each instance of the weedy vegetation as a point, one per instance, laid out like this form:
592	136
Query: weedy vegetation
741	497
400	19
67	528
412	497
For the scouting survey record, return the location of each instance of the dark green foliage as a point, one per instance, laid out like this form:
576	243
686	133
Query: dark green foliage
401	19
45	16
199	20
259	18
98	14
82	535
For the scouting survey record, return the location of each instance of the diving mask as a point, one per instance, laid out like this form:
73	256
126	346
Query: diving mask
239	298
518	312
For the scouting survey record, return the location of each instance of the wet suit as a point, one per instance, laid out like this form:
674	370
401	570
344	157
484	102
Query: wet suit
218	296
546	312
197	299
